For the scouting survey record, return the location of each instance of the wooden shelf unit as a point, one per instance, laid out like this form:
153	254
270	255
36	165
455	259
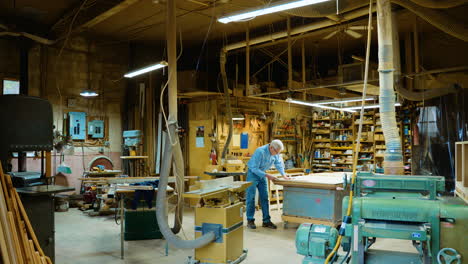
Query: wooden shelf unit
341	140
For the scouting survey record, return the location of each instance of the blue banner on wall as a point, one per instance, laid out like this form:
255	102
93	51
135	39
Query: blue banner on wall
244	140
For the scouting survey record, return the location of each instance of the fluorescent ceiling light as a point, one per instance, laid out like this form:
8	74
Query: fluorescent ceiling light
276	7
367	107
294	101
89	93
237	117
345	100
156	66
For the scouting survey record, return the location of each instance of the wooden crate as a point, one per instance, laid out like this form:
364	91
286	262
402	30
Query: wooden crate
461	170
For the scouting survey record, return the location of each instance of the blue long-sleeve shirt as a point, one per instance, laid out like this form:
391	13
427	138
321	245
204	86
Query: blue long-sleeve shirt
262	160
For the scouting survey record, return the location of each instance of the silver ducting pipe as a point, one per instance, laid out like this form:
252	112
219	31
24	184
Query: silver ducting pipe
393	157
161	202
425	95
327	8
434	17
440	4
437	18
298	30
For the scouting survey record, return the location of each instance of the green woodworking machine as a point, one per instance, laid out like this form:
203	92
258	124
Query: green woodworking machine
393	207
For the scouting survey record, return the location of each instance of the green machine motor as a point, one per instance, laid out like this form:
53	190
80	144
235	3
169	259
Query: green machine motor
315	242
397	207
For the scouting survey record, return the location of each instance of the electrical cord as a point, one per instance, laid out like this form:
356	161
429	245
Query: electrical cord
206	37
60	53
358	140
161	97
346	256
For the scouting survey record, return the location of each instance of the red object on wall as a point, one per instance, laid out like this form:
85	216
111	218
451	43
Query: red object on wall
213	158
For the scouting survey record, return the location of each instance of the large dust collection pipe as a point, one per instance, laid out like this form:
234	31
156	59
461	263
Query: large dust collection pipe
351	10
172	150
393	157
161	204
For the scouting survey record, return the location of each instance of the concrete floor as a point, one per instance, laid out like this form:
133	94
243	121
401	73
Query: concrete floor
84	239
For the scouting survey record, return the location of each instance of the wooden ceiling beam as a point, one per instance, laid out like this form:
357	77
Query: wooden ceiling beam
88	14
107	14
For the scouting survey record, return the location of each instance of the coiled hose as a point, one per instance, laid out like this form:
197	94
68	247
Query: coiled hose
161	198
421	8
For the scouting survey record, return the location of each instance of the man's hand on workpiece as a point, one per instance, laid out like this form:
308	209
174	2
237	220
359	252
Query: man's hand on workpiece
286	177
270	177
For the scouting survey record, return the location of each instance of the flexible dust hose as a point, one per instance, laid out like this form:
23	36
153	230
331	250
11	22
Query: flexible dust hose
178	170
439	4
437	18
393	157
424	95
347	218
329	8
222	64
161	205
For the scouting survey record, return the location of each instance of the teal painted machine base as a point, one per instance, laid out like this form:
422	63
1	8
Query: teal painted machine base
394	207
140	225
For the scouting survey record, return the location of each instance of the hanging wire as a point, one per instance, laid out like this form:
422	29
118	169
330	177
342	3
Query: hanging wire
58	59
358	139
206	37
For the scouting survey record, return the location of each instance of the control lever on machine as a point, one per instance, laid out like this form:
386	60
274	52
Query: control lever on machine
448	258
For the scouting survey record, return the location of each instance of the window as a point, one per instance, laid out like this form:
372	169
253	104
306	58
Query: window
11	87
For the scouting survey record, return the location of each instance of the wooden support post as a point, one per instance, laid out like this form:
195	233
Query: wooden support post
409	60
48	168
416	51
247	60
289	54
304	94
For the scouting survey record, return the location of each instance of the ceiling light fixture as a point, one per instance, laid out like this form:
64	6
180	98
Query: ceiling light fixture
238	117
89	93
345	100
294	101
367	107
276	7
153	67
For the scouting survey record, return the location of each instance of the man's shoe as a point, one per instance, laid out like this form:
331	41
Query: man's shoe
251	224
269	225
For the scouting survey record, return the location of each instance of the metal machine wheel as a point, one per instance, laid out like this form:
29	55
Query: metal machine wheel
449	255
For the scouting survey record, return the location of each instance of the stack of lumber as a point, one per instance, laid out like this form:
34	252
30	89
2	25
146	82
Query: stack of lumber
18	242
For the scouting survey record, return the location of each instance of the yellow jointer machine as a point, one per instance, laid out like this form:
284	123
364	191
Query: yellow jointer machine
220	210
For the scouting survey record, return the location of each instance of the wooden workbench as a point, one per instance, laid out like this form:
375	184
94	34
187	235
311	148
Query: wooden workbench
314	198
